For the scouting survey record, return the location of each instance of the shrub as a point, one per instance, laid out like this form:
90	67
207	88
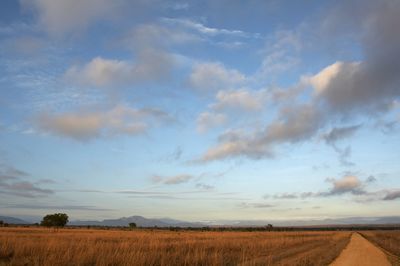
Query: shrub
56	219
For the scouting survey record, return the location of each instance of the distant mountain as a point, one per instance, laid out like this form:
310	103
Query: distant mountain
316	222
12	220
167	222
139	221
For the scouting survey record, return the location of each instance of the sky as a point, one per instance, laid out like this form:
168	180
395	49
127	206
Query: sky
200	110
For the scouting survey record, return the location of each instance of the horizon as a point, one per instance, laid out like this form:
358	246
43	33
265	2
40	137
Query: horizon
210	110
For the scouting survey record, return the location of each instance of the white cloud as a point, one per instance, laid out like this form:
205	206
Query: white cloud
83	126
59	17
101	72
214	76
279	55
241	99
321	80
208	120
347	184
151	66
294	124
158	35
201	28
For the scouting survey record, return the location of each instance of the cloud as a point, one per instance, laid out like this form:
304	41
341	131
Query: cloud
60	17
370	179
341	91
243	99
207	120
157	35
240	145
12	182
213	76
373	83
179	6
280	54
339	133
347	184
294	124
152	65
83	126
204	186
392	195
284	196
57	207
172	180
256	205
336	134
202	29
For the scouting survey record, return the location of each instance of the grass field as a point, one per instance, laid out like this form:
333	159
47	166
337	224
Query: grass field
388	240
41	246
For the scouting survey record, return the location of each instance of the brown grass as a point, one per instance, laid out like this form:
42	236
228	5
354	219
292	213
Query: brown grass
40	246
389	241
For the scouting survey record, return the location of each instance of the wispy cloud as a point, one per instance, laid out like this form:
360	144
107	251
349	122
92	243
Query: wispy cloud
172	180
120	120
13	182
201	28
56	207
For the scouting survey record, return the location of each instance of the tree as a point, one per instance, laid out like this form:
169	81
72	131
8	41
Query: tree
56	219
132	225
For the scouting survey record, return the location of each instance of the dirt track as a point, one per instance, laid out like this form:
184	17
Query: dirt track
361	252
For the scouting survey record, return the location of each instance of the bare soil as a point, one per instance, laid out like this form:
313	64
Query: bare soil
361	252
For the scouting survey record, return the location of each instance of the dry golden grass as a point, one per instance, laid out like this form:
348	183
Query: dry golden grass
40	246
389	241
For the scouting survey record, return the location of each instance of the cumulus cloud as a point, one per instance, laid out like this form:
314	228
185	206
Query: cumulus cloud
152	65
208	120
236	143
373	83
347	184
294	124
83	126
243	99
60	17
214	76
341	91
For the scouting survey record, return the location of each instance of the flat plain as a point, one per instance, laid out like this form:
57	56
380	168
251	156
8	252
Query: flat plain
43	246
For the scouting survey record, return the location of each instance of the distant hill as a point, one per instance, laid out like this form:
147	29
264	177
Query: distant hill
167	222
316	222
139	221
12	220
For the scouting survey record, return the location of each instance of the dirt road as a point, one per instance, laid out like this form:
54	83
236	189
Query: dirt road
361	252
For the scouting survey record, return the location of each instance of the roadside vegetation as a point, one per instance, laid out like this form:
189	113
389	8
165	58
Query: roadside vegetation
389	241
47	246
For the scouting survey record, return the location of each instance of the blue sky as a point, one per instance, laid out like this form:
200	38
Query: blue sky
200	110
